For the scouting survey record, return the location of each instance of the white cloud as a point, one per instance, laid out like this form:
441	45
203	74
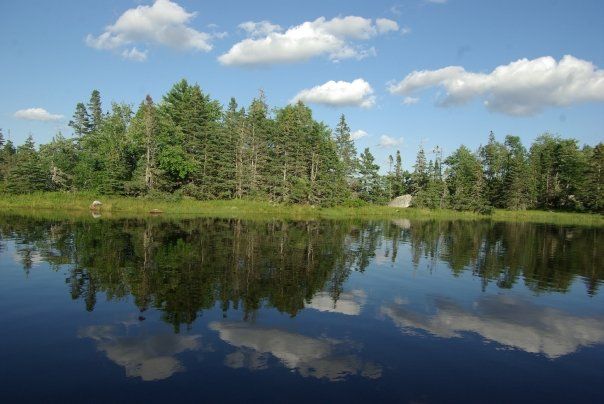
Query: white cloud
387	141
37	114
134	54
385	25
410	100
339	93
267	43
259	29
163	23
523	87
357	134
405	30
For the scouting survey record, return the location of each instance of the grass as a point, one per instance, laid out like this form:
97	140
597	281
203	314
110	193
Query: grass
70	205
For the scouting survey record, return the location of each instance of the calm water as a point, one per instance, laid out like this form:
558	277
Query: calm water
226	310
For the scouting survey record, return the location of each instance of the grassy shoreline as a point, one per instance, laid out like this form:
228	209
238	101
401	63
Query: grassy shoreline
69	205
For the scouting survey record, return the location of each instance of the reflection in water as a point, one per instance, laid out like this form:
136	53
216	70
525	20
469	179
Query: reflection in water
148	357
507	320
183	267
349	303
321	358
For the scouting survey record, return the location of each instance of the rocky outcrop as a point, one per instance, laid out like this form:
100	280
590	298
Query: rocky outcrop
403	201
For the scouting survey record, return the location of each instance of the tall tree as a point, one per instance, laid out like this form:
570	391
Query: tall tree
81	120
95	110
347	152
27	174
370	187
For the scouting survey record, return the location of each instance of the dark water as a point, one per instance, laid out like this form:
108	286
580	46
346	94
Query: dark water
225	310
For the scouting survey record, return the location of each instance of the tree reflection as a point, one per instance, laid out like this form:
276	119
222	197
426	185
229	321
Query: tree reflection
182	267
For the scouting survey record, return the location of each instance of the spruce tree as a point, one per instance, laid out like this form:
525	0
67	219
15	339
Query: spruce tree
95	110
81	120
347	152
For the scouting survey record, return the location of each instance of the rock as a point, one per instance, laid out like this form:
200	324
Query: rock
403	201
95	205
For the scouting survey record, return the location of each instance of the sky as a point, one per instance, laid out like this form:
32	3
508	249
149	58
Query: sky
405	73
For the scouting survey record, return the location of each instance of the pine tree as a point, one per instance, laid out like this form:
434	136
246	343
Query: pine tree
419	177
81	120
516	193
370	189
28	174
95	110
347	152
465	182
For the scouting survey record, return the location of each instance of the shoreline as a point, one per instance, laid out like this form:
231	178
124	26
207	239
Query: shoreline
76	205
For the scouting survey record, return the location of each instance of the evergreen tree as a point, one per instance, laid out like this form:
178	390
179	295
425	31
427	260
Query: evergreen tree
419	177
27	174
370	187
593	197
81	120
465	182
493	157
347	152
95	110
516	192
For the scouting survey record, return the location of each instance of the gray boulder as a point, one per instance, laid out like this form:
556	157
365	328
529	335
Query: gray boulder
403	201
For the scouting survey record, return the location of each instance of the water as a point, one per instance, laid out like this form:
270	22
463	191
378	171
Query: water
227	310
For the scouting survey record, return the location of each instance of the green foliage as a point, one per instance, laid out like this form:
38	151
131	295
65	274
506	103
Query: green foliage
188	146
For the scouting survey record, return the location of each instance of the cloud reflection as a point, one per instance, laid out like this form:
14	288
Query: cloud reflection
349	303
321	358
150	357
507	320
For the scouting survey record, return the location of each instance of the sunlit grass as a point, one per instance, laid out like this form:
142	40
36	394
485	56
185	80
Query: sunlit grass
59	204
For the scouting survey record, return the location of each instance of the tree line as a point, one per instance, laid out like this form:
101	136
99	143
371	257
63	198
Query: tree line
188	145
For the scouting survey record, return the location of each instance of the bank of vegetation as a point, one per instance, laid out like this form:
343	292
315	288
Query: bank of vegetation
188	147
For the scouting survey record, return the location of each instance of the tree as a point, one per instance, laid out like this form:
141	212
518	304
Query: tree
593	196
81	120
465	182
419	177
493	157
95	110
28	174
517	185
370	187
346	149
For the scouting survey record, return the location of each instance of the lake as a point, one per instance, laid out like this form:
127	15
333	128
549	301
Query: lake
194	310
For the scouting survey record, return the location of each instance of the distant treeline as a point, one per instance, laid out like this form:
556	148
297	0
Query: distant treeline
188	145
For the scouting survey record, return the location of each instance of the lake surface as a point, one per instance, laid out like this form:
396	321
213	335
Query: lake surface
328	311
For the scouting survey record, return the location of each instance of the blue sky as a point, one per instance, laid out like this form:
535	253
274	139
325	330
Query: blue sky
47	62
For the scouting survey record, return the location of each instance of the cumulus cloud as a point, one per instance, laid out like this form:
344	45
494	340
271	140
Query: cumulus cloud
268	44
357	134
507	320
134	54
357	93
37	114
410	100
164	23
259	29
523	87
384	25
321	358
387	141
